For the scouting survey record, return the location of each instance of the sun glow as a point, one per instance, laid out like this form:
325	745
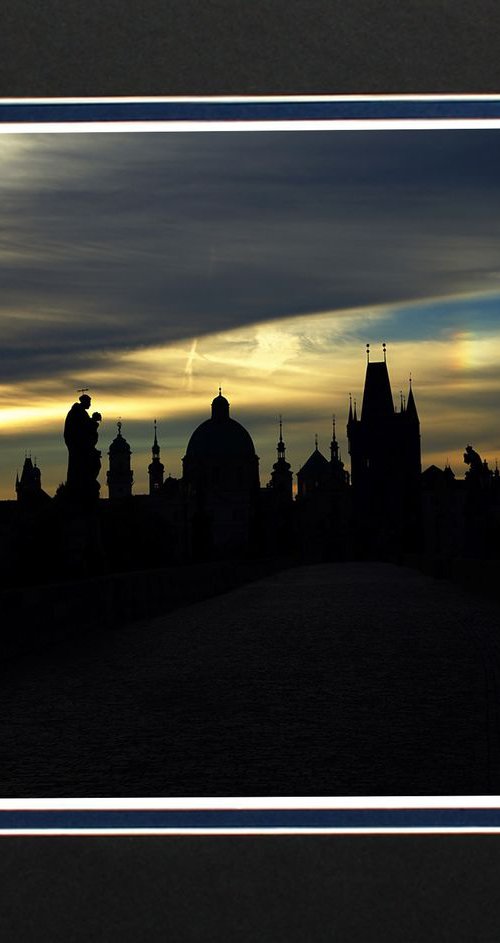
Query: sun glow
303	367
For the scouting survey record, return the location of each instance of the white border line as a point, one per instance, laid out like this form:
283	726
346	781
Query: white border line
341	124
61	832
268	802
244	99
252	803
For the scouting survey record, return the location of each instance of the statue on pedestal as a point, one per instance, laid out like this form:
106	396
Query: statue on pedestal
84	459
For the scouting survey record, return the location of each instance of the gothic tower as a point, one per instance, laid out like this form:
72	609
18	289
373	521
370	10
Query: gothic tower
384	445
29	485
120	475
156	469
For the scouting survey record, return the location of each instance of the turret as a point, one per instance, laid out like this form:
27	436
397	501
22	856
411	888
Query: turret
120	475
339	476
281	475
156	469
29	485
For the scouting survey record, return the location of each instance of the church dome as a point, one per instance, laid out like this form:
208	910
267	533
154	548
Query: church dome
119	444
220	436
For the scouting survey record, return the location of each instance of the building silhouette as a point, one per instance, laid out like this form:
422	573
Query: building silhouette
281	476
120	475
156	469
29	486
385	508
384	445
220	479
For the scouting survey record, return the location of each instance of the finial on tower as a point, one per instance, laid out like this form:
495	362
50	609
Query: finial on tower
119	425
384	348
316	441
368	353
333	426
220	390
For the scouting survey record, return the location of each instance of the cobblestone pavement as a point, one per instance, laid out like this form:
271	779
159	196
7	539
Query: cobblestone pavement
336	679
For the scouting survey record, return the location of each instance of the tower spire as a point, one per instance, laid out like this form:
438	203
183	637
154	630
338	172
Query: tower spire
156	469
411	409
156	448
281	444
334	446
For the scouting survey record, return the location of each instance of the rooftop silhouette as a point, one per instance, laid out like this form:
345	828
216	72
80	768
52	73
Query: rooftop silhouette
382	507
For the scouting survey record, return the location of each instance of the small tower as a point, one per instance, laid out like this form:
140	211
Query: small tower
314	476
281	475
339	476
120	475
156	469
29	485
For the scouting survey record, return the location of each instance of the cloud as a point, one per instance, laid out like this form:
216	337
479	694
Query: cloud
302	367
153	267
114	242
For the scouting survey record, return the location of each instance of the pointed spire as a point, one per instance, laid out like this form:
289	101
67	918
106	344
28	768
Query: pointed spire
411	409
316	442
350	408
156	448
334	446
281	444
156	468
355	413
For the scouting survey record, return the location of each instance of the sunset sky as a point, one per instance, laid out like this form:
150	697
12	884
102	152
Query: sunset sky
152	267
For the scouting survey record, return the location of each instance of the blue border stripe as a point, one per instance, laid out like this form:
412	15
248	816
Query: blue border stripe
262	819
40	112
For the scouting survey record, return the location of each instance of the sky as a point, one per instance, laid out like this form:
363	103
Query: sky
154	267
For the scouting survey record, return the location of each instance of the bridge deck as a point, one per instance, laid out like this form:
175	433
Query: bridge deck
348	679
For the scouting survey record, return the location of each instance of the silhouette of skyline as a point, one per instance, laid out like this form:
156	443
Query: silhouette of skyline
152	268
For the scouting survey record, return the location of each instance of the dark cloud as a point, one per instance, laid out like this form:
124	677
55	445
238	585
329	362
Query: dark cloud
116	241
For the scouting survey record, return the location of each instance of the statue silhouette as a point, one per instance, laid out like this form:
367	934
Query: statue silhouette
473	459
84	459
